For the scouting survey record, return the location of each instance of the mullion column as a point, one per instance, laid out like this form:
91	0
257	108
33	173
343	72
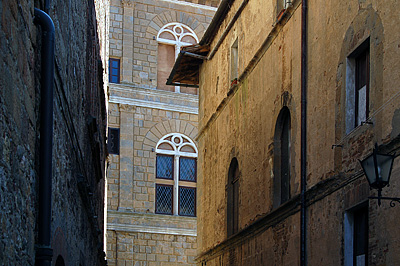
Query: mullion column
176	184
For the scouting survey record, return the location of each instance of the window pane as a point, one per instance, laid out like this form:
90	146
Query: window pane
114	64
187	169
362	105
361	236
187	201
113	140
114	79
165	166
164	199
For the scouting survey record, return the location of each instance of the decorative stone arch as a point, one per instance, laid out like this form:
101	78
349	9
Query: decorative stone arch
177	143
161	129
172	16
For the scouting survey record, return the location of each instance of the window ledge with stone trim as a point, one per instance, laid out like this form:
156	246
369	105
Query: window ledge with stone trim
152	223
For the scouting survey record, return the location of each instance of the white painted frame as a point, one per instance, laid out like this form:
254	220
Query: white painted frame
177	153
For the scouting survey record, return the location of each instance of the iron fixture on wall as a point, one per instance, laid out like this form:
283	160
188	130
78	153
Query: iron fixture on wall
377	168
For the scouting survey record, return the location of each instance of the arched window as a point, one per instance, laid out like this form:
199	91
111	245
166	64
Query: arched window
176	175
233	198
171	38
282	158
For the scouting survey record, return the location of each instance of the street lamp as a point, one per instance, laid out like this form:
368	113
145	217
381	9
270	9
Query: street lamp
377	168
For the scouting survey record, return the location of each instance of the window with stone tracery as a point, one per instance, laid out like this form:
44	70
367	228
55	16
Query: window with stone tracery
176	175
171	38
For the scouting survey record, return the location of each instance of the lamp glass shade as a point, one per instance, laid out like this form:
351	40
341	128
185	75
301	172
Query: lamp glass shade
385	163
383	167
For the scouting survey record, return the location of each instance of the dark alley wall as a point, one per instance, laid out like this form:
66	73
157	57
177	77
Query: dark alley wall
79	149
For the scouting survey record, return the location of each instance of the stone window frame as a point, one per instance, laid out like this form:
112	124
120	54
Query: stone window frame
232	192
178	32
367	24
177	145
282	138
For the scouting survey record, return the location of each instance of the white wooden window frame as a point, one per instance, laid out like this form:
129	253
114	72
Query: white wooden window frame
177	143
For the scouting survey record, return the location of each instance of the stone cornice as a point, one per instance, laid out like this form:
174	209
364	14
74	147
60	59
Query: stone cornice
151	229
164	100
151	223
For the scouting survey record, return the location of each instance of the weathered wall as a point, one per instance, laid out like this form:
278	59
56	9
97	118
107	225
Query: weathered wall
79	133
239	121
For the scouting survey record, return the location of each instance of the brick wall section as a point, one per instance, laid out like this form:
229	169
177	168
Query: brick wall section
79	133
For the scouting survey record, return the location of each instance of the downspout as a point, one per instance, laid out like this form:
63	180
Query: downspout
44	252
303	225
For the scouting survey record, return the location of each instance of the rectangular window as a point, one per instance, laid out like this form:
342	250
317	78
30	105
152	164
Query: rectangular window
357	86
356	236
362	87
164	199
113	140
165	166
234	61
114	70
187	169
187	201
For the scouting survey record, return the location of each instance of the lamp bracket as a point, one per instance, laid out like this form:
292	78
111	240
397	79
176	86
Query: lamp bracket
392	200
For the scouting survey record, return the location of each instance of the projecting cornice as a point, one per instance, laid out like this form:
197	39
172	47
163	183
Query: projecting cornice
151	98
151	223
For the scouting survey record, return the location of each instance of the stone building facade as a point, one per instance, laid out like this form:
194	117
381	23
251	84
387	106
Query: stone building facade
285	114
152	133
79	132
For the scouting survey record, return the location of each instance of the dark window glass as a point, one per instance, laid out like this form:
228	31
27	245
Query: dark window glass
164	199
282	158
165	166
113	140
361	236
233	198
187	201
362	86
114	71
187	169
285	175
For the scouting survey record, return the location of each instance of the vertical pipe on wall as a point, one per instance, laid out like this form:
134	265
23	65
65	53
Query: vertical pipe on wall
303	225
43	249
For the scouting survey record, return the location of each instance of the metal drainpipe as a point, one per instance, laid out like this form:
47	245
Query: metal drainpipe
303	226
44	252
